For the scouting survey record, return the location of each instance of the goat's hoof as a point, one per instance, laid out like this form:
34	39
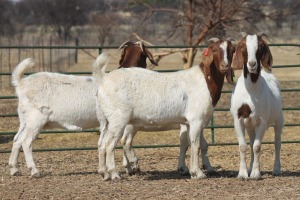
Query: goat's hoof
15	172
243	175
115	176
35	175
198	175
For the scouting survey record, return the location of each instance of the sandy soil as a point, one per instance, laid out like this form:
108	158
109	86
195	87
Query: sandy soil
73	174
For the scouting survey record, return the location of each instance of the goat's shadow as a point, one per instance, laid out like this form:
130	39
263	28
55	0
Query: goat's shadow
170	175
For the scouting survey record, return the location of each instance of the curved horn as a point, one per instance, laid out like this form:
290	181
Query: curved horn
230	39
125	43
213	40
141	45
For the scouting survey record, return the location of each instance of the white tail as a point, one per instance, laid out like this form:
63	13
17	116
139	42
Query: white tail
19	70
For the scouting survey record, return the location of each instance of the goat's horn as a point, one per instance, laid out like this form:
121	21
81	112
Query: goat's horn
125	43
261	34
141	45
243	34
212	40
230	39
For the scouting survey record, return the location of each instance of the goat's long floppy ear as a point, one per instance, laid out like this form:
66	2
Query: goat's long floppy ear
149	55
122	57
237	59
230	76
207	57
267	59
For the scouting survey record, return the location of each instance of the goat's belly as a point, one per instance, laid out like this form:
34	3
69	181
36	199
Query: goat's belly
159	123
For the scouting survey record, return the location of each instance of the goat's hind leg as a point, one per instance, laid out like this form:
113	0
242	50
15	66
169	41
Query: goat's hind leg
184	145
114	134
17	144
130	160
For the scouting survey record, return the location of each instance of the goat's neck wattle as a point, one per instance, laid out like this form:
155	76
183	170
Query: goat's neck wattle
214	80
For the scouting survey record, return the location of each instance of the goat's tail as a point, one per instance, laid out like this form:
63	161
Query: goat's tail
19	70
100	64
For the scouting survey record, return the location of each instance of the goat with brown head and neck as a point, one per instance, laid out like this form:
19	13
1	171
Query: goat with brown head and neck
135	54
251	52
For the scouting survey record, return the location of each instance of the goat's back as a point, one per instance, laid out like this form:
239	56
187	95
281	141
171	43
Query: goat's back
152	96
69	100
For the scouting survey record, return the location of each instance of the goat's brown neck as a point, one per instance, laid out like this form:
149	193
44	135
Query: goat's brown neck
214	81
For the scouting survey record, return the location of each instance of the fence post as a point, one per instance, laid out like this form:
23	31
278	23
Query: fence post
212	129
76	50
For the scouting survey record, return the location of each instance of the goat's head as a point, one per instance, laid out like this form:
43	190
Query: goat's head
135	54
219	53
251	52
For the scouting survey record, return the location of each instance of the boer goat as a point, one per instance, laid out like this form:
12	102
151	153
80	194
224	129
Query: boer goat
53	100
255	103
147	98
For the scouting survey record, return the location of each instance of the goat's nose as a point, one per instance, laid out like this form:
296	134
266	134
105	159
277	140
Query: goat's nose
252	63
224	66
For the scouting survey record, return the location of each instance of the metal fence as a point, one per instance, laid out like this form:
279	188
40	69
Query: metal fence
212	126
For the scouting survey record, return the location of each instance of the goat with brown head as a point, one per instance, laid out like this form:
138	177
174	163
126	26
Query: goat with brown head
135	54
251	52
216	64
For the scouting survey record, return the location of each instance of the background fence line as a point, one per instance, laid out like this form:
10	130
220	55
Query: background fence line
72	55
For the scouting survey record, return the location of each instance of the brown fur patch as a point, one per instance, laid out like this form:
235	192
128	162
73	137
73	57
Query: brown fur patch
244	111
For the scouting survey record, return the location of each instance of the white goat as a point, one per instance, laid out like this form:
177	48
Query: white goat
53	100
142	97
255	103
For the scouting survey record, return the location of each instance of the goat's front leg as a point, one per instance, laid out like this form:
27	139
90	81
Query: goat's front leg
194	134
260	131
184	145
130	161
205	160
251	134
240	133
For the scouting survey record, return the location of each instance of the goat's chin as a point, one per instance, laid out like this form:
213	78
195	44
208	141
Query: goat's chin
252	71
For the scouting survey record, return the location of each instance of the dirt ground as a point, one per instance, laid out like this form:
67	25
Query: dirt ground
73	174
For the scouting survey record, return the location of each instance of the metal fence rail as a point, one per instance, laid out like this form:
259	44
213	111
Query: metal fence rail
212	125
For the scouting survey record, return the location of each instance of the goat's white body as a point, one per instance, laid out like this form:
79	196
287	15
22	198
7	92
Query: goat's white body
264	100
146	98
50	100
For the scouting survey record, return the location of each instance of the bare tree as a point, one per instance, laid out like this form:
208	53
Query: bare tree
60	15
199	19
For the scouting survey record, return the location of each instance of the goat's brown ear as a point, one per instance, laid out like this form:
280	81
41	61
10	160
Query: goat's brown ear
237	60
267	59
149	55
122	57
230	76
207	57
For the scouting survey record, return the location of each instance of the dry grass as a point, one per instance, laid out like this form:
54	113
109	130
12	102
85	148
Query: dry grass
72	174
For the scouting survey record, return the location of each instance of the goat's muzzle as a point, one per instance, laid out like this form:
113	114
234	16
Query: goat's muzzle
252	67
